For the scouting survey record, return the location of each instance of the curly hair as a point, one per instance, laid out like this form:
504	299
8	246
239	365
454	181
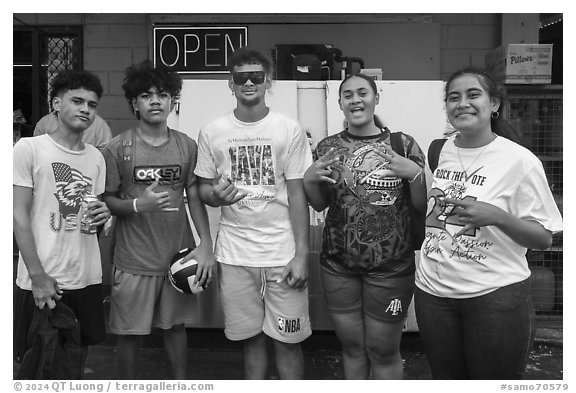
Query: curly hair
247	55
74	79
142	77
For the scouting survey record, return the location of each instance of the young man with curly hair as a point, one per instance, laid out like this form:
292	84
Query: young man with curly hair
149	168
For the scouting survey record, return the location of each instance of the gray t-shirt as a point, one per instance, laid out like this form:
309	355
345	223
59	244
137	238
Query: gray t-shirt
146	242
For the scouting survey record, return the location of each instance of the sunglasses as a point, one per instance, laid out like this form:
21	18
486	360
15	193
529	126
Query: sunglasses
257	77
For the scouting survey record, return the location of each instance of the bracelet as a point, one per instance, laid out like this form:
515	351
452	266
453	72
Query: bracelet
134	205
415	177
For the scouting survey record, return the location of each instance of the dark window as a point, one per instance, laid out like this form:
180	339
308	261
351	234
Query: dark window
40	52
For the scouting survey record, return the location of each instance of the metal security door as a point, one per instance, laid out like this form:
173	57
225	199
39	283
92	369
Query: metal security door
40	52
536	112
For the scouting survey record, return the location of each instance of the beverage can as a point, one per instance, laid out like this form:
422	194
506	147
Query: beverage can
86	226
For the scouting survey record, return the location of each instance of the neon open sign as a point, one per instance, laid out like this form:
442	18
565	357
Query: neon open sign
197	49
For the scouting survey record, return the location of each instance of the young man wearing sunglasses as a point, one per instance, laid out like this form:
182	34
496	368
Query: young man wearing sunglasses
251	162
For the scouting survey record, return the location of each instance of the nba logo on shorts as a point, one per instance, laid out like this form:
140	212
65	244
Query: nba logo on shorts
289	326
395	306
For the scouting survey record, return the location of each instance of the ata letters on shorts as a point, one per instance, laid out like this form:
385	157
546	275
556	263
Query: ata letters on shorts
395	307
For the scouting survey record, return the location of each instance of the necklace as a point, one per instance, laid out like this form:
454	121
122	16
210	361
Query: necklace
466	176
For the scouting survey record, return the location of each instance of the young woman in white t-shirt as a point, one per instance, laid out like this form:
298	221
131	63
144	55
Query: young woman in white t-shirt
489	202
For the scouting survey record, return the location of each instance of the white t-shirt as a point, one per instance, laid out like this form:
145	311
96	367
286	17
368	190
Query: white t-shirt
505	175
258	158
58	176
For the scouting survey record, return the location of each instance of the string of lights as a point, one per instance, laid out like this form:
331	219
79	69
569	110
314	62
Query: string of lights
551	20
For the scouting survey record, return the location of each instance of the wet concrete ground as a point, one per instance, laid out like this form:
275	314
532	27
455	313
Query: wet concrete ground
212	357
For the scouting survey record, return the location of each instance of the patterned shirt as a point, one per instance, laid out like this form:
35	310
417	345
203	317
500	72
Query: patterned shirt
368	220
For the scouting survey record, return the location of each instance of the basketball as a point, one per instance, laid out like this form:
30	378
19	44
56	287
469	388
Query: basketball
182	275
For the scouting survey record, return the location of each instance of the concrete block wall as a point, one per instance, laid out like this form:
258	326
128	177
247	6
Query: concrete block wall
113	42
466	39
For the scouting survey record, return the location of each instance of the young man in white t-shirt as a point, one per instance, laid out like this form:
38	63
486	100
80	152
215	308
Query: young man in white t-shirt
251	163
51	174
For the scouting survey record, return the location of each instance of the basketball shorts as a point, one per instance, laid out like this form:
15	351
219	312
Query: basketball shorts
253	302
382	298
140	303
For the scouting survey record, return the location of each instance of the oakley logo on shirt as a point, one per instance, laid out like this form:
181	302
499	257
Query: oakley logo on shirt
166	173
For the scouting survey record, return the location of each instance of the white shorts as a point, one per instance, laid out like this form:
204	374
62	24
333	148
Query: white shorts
253	302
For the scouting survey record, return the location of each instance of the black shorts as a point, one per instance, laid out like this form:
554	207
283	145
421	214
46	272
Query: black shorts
383	298
87	304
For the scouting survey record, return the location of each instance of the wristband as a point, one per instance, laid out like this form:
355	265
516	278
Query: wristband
134	205
415	177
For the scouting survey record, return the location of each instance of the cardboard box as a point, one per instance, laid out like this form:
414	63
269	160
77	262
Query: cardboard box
375	73
521	63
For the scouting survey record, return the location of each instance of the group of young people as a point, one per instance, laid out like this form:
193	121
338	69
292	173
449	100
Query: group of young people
488	203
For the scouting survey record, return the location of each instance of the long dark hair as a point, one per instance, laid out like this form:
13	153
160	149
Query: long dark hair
499	125
373	86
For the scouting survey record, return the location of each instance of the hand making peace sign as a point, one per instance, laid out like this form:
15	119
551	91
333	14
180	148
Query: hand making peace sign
319	171
399	165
